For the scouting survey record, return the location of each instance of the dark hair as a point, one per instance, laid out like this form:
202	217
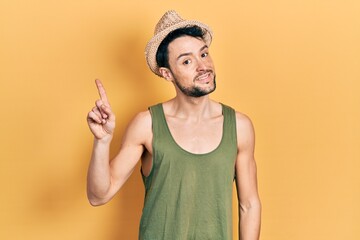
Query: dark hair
162	54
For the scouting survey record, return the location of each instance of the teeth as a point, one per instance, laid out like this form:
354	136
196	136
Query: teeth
203	76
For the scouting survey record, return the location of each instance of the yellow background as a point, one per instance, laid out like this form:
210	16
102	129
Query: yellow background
293	66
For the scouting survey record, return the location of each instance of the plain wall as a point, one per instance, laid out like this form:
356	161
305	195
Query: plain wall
292	66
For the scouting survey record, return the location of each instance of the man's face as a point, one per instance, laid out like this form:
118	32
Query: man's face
191	66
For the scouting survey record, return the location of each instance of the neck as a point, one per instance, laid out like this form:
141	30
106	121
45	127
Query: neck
195	108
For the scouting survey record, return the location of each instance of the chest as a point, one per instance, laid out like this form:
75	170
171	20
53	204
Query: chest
196	137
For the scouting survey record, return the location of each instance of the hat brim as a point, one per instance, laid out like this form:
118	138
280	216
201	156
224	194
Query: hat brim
155	41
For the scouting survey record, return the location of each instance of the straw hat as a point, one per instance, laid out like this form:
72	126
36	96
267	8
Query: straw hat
169	22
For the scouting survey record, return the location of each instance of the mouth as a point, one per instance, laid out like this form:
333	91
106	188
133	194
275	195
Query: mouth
204	78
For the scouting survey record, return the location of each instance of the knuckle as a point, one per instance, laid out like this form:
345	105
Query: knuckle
98	102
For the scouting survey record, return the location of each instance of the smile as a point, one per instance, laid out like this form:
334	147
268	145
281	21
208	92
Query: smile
204	78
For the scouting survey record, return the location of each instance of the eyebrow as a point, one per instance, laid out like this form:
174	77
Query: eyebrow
189	53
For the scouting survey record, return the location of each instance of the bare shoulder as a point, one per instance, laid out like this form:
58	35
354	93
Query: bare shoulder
243	121
142	119
245	130
139	128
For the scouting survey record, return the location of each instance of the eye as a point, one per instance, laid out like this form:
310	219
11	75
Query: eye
205	54
187	62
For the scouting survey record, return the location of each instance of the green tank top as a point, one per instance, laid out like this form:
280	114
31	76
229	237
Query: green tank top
189	196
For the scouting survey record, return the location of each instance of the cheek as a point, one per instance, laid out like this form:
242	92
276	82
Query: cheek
210	61
185	76
184	71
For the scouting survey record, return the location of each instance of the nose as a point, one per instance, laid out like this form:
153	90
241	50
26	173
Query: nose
201	65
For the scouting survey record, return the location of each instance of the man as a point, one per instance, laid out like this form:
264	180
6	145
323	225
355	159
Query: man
191	147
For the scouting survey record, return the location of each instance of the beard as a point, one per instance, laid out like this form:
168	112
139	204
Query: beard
195	91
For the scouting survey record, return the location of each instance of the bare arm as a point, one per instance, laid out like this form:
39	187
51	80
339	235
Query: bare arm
105	176
246	181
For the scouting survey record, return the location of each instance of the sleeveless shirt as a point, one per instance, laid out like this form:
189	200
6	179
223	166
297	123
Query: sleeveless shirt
187	195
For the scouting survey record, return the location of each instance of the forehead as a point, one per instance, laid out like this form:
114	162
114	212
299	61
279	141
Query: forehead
185	44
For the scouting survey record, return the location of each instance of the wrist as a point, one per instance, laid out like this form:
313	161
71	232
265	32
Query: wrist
103	141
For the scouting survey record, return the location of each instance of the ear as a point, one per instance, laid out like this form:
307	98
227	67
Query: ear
166	73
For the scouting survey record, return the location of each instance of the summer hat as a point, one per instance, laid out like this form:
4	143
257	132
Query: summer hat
169	22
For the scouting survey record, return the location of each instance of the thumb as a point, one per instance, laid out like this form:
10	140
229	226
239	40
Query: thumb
107	110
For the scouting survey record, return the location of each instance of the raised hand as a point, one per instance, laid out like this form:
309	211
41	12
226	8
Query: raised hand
101	119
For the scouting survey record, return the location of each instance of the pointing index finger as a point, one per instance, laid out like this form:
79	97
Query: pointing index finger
102	92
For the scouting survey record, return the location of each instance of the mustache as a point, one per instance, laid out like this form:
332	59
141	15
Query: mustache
203	72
